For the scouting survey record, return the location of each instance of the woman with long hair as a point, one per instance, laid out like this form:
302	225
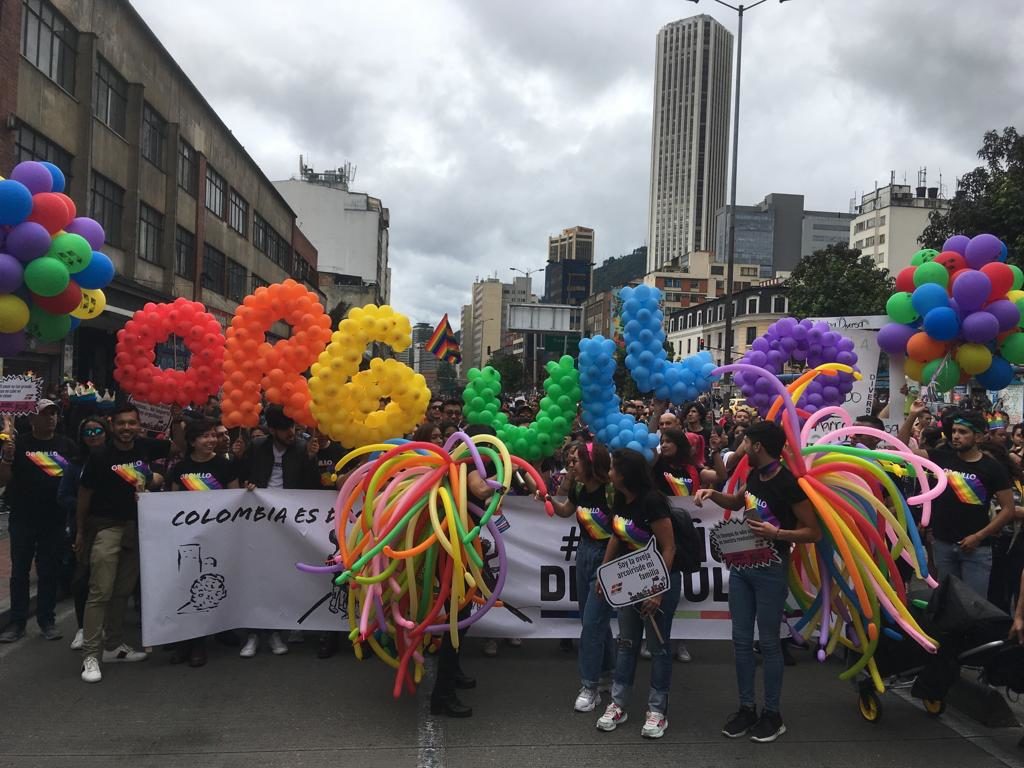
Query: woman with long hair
677	471
429	432
644	514
92	437
589	495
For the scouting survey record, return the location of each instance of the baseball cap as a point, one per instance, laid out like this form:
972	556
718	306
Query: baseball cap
43	404
276	418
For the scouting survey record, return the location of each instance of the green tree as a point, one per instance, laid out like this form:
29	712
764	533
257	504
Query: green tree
511	370
988	199
447	379
837	280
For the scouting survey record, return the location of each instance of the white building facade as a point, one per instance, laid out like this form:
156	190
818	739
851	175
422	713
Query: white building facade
889	221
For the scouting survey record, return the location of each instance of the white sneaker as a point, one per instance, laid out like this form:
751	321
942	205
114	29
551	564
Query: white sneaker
249	649
123	652
613	717
683	654
586	700
515	642
490	647
278	647
654	726
91	670
79	641
644	652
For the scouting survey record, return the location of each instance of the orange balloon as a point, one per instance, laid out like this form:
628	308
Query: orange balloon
924	348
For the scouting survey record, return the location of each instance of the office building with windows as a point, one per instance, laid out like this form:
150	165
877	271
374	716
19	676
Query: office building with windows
889	221
689	137
570	263
186	210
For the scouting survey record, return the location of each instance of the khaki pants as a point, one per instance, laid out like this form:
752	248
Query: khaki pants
113	572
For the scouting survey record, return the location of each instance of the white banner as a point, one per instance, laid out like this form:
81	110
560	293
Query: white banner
155	418
19	394
217	560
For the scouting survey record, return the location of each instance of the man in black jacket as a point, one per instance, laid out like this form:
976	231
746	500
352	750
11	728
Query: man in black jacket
282	460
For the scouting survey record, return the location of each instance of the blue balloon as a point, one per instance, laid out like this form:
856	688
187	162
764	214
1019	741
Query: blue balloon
928	297
942	323
58	181
15	202
98	274
998	376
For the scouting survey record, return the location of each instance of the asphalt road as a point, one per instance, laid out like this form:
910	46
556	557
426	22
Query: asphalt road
297	710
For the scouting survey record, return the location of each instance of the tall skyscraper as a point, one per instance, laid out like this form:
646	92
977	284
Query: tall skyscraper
570	262
689	137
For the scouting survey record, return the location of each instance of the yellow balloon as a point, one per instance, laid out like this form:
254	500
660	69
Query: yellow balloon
94	301
1015	296
913	368
974	358
13	314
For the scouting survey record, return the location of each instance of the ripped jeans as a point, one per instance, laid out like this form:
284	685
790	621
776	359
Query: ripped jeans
631	630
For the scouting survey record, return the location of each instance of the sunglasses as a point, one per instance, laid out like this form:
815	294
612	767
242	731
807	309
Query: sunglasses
93	431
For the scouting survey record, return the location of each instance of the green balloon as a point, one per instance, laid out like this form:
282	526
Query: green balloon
46	276
900	308
1018	277
922	256
931	272
946	378
73	250
47	327
1013	348
1020	305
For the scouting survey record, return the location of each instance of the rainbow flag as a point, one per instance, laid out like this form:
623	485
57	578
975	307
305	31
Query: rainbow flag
968	488
53	464
130	473
680	485
442	343
199	481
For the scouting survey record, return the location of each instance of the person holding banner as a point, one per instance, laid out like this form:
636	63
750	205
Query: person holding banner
203	469
646	513
590	492
777	511
31	469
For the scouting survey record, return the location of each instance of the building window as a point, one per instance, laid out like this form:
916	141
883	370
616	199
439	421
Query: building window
859	244
751	334
721	312
32	145
106	205
699	317
258	282
752	305
238	214
110	101
151	230
881	221
689	346
154	135
869	241
216	192
213	269
49	42
185	253
779	305
188	168
717	270
881	239
260	232
236	281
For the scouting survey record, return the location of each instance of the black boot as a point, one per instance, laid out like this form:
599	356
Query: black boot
328	645
464	681
450	706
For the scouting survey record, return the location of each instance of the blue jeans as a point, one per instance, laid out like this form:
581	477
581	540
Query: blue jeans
758	593
631	630
973	567
597	651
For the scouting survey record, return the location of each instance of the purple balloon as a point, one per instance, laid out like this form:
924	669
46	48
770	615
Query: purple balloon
88	228
979	327
982	250
12	344
1006	312
28	241
893	338
957	243
35	176
11	273
971	290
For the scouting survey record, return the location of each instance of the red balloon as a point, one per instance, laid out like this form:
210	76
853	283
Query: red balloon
69	204
951	260
1002	279
64	302
905	280
49	210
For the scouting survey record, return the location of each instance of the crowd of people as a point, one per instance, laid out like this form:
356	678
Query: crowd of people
72	482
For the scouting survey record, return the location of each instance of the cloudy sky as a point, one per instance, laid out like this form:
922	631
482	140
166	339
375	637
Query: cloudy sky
487	125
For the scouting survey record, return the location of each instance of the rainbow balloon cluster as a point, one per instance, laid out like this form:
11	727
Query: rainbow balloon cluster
847	584
51	271
409	545
957	313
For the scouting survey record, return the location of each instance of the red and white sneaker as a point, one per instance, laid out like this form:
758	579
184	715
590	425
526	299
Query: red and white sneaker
654	726
613	717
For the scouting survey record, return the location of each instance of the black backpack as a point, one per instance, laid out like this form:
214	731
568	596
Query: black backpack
689	544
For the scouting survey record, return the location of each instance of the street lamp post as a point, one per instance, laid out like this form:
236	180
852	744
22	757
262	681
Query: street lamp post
731	249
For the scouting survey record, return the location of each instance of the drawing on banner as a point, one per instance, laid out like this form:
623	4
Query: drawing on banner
735	543
633	577
337	598
207	589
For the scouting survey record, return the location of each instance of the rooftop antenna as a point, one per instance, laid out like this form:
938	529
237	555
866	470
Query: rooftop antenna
892	177
922	176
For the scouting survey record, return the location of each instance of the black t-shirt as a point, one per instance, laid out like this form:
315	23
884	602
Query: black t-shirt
962	509
645	510
772	501
689	474
113	476
211	475
36	472
326	461
581	497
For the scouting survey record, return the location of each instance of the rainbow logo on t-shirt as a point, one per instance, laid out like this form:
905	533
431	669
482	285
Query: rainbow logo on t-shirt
967	486
595	522
631	533
759	507
133	474
680	486
53	464
200	481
